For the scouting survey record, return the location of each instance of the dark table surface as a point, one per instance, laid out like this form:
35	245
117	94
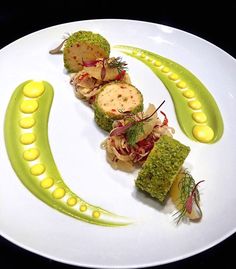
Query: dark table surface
215	23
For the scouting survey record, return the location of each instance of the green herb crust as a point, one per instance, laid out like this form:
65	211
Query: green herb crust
115	97
105	121
102	119
161	167
82	46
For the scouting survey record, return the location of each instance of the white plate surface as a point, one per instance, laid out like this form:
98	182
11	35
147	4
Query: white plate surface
75	142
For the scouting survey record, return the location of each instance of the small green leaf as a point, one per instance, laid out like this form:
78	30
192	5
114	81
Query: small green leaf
133	133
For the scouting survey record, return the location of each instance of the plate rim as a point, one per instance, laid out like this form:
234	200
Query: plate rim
207	247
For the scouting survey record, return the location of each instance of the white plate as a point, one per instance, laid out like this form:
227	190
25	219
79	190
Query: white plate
74	138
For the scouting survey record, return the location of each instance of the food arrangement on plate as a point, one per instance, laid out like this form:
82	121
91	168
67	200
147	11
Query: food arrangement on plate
136	139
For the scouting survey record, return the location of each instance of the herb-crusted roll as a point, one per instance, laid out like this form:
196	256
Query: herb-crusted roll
161	167
84	46
113	100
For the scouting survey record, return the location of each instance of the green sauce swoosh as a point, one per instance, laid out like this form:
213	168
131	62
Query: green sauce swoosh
26	139
197	112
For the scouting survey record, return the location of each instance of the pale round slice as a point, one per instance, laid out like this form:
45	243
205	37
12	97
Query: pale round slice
84	46
113	100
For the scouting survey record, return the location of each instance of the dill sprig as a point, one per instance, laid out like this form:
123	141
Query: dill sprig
133	132
189	196
137	127
134	125
117	63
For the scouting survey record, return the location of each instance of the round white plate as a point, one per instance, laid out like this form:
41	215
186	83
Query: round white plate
75	141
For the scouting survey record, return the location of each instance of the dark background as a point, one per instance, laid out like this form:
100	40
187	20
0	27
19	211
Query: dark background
214	22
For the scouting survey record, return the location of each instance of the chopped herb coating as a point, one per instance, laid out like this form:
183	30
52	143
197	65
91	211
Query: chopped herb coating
161	167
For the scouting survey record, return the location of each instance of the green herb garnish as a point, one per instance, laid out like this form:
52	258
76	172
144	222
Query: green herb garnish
189	196
118	64
133	132
134	126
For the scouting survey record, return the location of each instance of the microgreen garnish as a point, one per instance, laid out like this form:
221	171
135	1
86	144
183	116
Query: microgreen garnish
134	126
133	132
189	196
111	63
58	50
118	64
165	121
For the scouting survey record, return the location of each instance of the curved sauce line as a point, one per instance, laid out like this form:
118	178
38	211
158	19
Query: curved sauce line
26	139
197	112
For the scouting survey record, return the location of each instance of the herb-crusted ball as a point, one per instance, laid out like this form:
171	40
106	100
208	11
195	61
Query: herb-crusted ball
114	99
83	46
161	167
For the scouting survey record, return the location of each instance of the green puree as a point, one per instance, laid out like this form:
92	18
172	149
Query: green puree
26	139
197	112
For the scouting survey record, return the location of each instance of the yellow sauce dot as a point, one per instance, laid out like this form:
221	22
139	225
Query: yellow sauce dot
189	94
181	85
37	169
96	214
135	52
157	63
195	104
47	183
72	201
173	77
27	122
27	138
31	154
203	133
33	89
199	117
58	193
83	208
29	106
143	55
165	70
